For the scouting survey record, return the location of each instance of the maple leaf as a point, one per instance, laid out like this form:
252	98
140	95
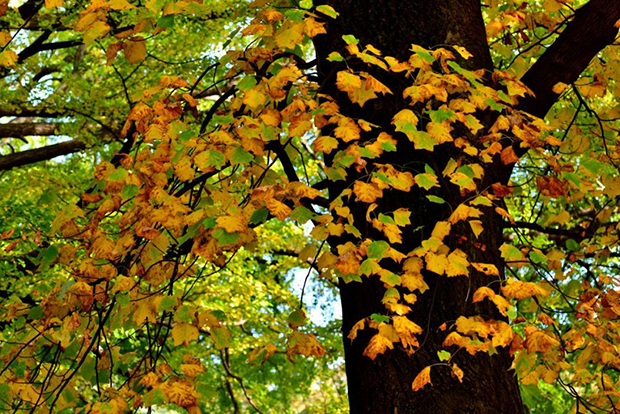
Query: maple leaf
135	49
440	132
407	330
180	393
289	35
232	224
184	333
367	192
423	378
254	98
522	290
51	4
437	263
378	345
8	58
457	264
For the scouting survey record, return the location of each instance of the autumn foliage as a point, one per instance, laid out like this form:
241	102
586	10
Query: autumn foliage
138	268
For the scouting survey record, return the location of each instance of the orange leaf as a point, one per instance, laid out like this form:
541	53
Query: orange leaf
423	378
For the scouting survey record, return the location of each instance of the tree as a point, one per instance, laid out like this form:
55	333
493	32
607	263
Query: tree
470	240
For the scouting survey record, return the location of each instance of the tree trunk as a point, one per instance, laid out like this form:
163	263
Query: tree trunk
384	385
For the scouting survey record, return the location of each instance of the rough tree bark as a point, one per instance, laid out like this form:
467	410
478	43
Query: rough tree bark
384	385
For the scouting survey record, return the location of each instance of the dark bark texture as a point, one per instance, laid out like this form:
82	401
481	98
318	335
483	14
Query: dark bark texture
384	385
19	159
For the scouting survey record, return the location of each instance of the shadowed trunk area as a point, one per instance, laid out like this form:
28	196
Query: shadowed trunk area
384	385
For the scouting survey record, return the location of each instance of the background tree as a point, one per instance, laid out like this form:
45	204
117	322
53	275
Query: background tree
466	235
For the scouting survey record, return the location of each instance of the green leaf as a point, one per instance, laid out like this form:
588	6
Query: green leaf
301	214
327	10
441	115
537	257
335	57
246	83
50	254
444	355
379	318
241	156
350	39
572	245
377	248
259	216
35	313
167	303
118	175
435	199
224	237
296	319
130	191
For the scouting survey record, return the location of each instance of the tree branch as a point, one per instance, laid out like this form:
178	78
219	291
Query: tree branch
584	37
19	159
30	113
18	130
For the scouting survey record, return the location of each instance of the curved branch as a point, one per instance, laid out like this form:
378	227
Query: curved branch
18	130
585	36
19	159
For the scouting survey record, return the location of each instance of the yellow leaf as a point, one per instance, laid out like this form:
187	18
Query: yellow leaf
559	87
289	35
522	290
278	209
374	84
463	52
304	344
503	335
482	293
457	264
8	58
52	4
271	117
539	341
414	281
357	327
183	169
347	130
440	132
508	156
5	38
112	51
232	224
180	393
367	193
457	372
462	212
95	31
135	50
423	378
254	98
436	263
313	28
121	5
378	344
406	116
272	15
362	95
486	268
184	333
473	325
476	227
406	331
262	353
441	230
